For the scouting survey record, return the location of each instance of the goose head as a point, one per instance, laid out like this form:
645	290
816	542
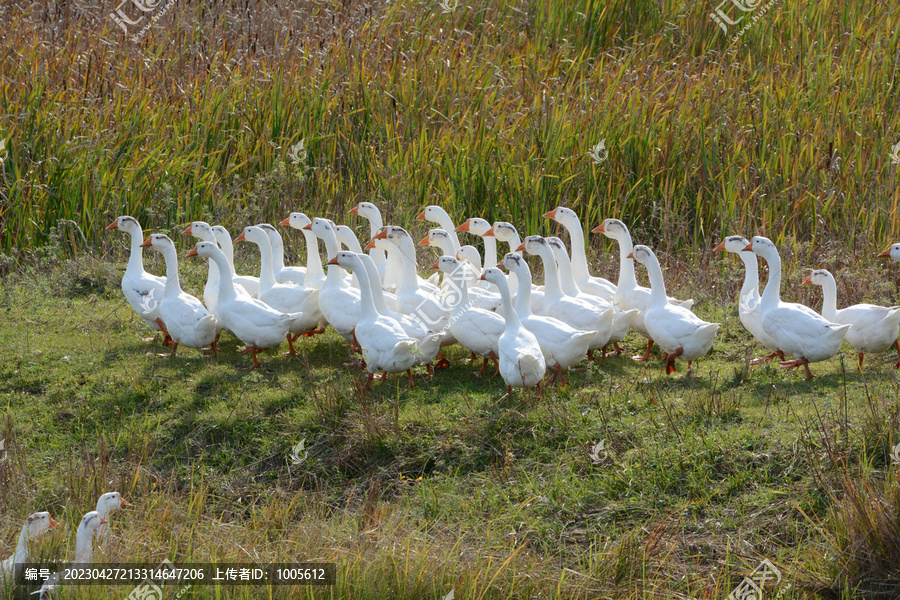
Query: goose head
437	238
733	243
204	249
563	215
496	277
514	263
819	277
469	253
297	220
38	524
346	237
475	226
89	524
892	252
612	228
110	502
347	260
762	247
446	264
366	210
643	255
158	241
126	224
503	231
223	238
323	228
200	230
557	246
433	214
253	233
535	244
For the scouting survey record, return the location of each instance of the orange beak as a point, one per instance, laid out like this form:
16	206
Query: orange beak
189	230
464	226
885	254
240	238
370	245
457	256
808	280
333	261
285	222
482	277
489	233
424	241
193	252
146	243
598	229
421	216
550	215
355	210
630	255
748	247
434	266
125	503
308	227
53	523
381	235
720	247
113	225
103	521
520	248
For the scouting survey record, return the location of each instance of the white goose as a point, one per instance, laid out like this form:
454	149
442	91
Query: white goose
107	504
255	323
748	302
470	268
348	239
480	227
248	282
474	328
142	290
629	294
798	330
83	550
283	274
370	212
35	526
187	320
315	275
338	301
563	346
385	345
436	214
286	298
521	361
506	232
892	252
679	332
872	328
586	283
621	318
575	312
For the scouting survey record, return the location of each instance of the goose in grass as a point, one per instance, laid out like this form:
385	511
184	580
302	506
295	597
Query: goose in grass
748	301
621	318
507	233
339	301
83	550
521	360
188	322
479	227
142	290
35	526
630	295
872	328
563	346
286	298
255	323
892	252
797	329
679	332
585	281
107	504
370	213
436	214
283	274
385	345
249	283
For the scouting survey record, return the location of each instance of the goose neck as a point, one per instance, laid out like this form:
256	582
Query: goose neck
266	266
490	252
657	283
136	256
772	293
173	285
829	299
552	291
579	256
751	273
627	279
313	260
523	297
226	284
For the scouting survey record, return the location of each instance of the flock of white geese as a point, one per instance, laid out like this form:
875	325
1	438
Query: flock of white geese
93	524
375	298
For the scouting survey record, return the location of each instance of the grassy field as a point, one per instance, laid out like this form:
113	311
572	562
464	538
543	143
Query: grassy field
488	110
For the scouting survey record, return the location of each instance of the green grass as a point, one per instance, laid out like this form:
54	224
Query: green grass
450	485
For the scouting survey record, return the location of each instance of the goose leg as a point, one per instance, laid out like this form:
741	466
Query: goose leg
619	349
172	354
430	370
409	372
647	353
761	359
590	355
354	345
897	346
859	357
484	365
253	350
313	332
214	345
162	327
369	379
690	372
508	392
496	362
540	390
558	374
670	360
473	358
290	339
442	360
799	362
